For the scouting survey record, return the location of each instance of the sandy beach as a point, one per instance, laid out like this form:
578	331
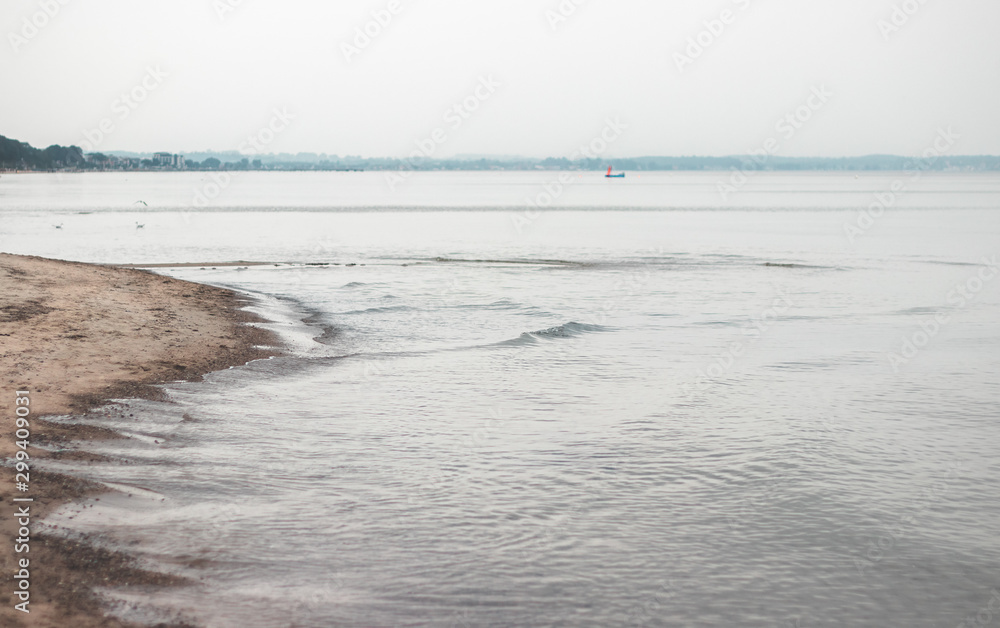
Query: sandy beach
75	336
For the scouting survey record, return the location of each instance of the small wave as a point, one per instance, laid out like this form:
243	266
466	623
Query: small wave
790	265
354	284
520	341
921	310
714	323
381	310
801	366
567	330
329	336
949	263
544	262
503	305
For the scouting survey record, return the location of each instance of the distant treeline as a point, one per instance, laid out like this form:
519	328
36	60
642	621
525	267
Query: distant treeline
16	155
871	162
313	161
21	156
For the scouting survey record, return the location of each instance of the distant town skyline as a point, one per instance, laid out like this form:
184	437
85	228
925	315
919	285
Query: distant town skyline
440	78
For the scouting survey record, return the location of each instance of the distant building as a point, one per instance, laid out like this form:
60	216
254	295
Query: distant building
101	161
168	160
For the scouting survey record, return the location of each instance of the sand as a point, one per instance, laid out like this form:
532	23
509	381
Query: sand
76	335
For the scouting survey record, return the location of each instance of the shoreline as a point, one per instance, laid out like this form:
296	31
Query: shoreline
75	336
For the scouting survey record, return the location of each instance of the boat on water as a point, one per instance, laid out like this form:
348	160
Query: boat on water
620	175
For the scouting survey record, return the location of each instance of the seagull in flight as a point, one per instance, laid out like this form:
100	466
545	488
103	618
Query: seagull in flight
141	202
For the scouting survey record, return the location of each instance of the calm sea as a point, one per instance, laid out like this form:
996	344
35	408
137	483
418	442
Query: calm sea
544	399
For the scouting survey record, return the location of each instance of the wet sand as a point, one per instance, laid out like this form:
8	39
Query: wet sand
75	336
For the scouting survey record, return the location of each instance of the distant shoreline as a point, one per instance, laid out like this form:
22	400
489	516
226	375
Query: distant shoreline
16	155
720	169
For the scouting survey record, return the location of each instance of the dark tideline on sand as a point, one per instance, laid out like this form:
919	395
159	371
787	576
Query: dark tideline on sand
76	335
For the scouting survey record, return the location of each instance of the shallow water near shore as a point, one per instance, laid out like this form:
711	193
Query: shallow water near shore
653	407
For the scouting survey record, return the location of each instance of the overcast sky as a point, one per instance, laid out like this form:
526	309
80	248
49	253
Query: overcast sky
537	77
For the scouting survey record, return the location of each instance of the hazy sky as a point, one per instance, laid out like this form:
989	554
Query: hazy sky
537	77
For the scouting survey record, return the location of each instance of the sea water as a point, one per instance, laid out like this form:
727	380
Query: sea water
552	399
